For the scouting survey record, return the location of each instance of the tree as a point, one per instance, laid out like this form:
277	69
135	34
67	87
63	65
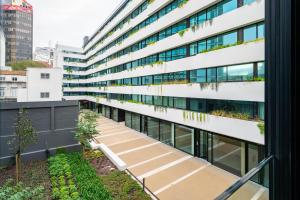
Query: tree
25	136
86	128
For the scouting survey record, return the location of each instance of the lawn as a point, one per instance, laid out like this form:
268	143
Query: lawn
71	176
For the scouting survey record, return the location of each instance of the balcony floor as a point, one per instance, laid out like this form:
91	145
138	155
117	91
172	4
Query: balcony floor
168	172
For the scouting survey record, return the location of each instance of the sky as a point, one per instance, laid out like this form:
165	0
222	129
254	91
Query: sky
68	21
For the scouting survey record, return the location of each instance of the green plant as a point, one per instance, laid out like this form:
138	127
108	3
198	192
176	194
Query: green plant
182	3
86	128
25	136
89	184
261	127
150	1
231	114
259	79
20	191
182	32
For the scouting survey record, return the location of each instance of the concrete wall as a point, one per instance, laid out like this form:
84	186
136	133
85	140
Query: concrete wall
54	122
36	85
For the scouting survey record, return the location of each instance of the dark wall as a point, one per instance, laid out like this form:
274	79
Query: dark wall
55	123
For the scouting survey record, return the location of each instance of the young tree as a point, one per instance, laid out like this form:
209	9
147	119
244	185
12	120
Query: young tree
86	128
25	136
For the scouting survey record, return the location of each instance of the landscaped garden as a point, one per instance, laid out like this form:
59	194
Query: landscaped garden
86	175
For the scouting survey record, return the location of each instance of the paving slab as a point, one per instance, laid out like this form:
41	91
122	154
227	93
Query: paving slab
130	145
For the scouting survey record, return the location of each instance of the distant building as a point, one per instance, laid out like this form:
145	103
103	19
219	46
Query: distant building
10	83
2	48
17	22
42	84
44	54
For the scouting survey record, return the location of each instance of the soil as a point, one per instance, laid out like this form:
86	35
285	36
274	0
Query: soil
34	173
102	165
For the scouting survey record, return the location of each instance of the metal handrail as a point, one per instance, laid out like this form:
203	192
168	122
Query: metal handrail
143	184
238	184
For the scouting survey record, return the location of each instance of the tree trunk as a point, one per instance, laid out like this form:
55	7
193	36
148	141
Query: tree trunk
18	167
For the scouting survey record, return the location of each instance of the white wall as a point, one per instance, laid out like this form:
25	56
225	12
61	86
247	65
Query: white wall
36	85
2	48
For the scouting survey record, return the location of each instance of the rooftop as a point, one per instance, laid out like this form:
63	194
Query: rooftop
7	72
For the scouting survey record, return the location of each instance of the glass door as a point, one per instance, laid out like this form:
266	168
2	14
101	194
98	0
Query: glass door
201	144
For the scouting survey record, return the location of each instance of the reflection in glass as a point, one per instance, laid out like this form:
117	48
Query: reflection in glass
166	133
153	128
184	139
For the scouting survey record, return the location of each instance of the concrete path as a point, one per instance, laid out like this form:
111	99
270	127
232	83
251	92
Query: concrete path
169	173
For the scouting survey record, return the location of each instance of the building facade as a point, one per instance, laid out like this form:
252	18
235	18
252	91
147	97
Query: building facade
42	84
188	73
17	22
2	48
44	54
10	83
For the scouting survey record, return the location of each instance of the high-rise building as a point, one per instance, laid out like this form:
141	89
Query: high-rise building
187	73
17	23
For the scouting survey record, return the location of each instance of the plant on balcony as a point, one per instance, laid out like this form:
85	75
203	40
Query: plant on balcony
25	135
261	127
190	115
160	109
259	79
182	32
150	1
151	43
231	114
183	2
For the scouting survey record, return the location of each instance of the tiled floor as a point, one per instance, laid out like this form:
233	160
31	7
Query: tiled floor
169	173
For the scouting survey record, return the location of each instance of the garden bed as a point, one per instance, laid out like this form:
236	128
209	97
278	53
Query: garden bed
72	176
33	175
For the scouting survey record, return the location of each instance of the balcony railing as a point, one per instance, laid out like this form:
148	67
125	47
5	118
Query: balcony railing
253	185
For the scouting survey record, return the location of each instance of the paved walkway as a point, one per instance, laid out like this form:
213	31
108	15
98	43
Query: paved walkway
169	173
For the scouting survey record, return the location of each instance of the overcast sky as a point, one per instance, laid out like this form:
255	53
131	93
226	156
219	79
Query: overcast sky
68	21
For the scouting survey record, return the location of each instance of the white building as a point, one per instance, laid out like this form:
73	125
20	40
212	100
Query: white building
2	48
42	84
44	54
189	73
10	83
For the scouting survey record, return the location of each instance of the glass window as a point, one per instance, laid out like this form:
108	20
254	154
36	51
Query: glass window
136	123
261	31
211	75
228	39
193	49
136	81
148	99
248	1
171	102
153	128
202	46
179	102
193	20
222	74
147	80
227	153
212	43
226	6
201	17
184	139
179	53
198	105
261	70
198	76
158	79
250	33
240	72
166	133
261	111
212	12
158	101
